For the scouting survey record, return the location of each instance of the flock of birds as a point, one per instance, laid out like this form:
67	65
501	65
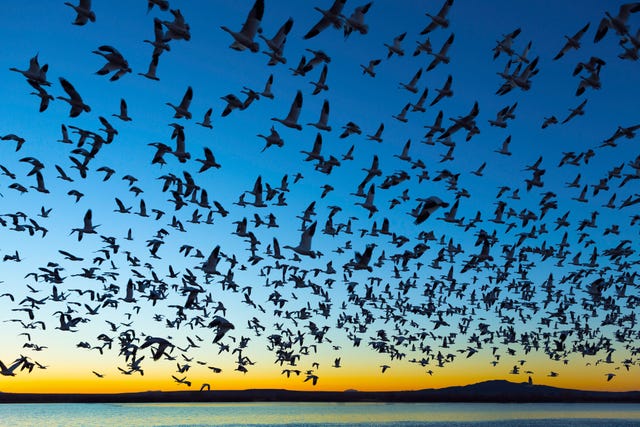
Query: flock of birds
501	284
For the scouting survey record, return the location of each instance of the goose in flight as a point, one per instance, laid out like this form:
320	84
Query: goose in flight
159	42
272	139
245	38
311	377
314	154
441	56
177	29
504	148
438	20
291	120
221	326
182	380
151	71
436	127
419	105
123	114
592	81
578	111
368	203
13	137
304	247
402	116
209	161
505	45
427	207
356	20
40	183
44	96
572	42
618	23
503	115
9	371
87	228
277	42
368	69
266	92
462	122
362	259
404	155
331	16
121	207
74	100
299	70
318	57
161	349
211	264
478	172
182	109
256	192
424	46
115	62
445	91
233	103
378	135
396	47
108	172
592	66
322	124
84	13
180	151
349	129
321	84
411	86
35	73
548	121
206	121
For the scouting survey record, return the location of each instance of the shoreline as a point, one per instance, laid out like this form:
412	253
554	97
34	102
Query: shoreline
498	391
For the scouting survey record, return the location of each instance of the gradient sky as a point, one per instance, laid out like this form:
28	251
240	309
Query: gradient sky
213	70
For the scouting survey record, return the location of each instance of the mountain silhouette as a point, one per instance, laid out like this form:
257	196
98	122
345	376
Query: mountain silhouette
487	391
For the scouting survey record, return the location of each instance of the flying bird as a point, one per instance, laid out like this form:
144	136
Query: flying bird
572	42
245	38
330	17
74	99
83	11
438	20
291	121
87	228
182	109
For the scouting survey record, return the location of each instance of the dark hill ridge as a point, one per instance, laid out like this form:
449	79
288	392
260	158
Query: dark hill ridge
488	391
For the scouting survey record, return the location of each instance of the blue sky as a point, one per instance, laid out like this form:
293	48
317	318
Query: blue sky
213	70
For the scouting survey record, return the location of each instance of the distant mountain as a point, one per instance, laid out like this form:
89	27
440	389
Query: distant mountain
488	391
506	391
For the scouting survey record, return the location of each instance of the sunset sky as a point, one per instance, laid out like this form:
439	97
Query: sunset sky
481	313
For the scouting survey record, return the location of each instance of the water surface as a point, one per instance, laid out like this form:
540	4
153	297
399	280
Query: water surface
311	414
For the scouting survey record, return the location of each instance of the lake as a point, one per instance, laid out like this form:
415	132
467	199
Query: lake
312	414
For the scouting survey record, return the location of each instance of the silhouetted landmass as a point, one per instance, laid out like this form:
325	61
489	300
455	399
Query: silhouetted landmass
489	391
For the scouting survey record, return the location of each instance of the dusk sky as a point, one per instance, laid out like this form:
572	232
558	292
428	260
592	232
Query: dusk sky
534	275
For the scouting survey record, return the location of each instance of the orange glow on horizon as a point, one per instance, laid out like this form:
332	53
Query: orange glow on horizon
399	377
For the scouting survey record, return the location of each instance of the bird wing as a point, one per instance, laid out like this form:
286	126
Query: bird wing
252	24
186	99
68	87
87	220
324	22
296	106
